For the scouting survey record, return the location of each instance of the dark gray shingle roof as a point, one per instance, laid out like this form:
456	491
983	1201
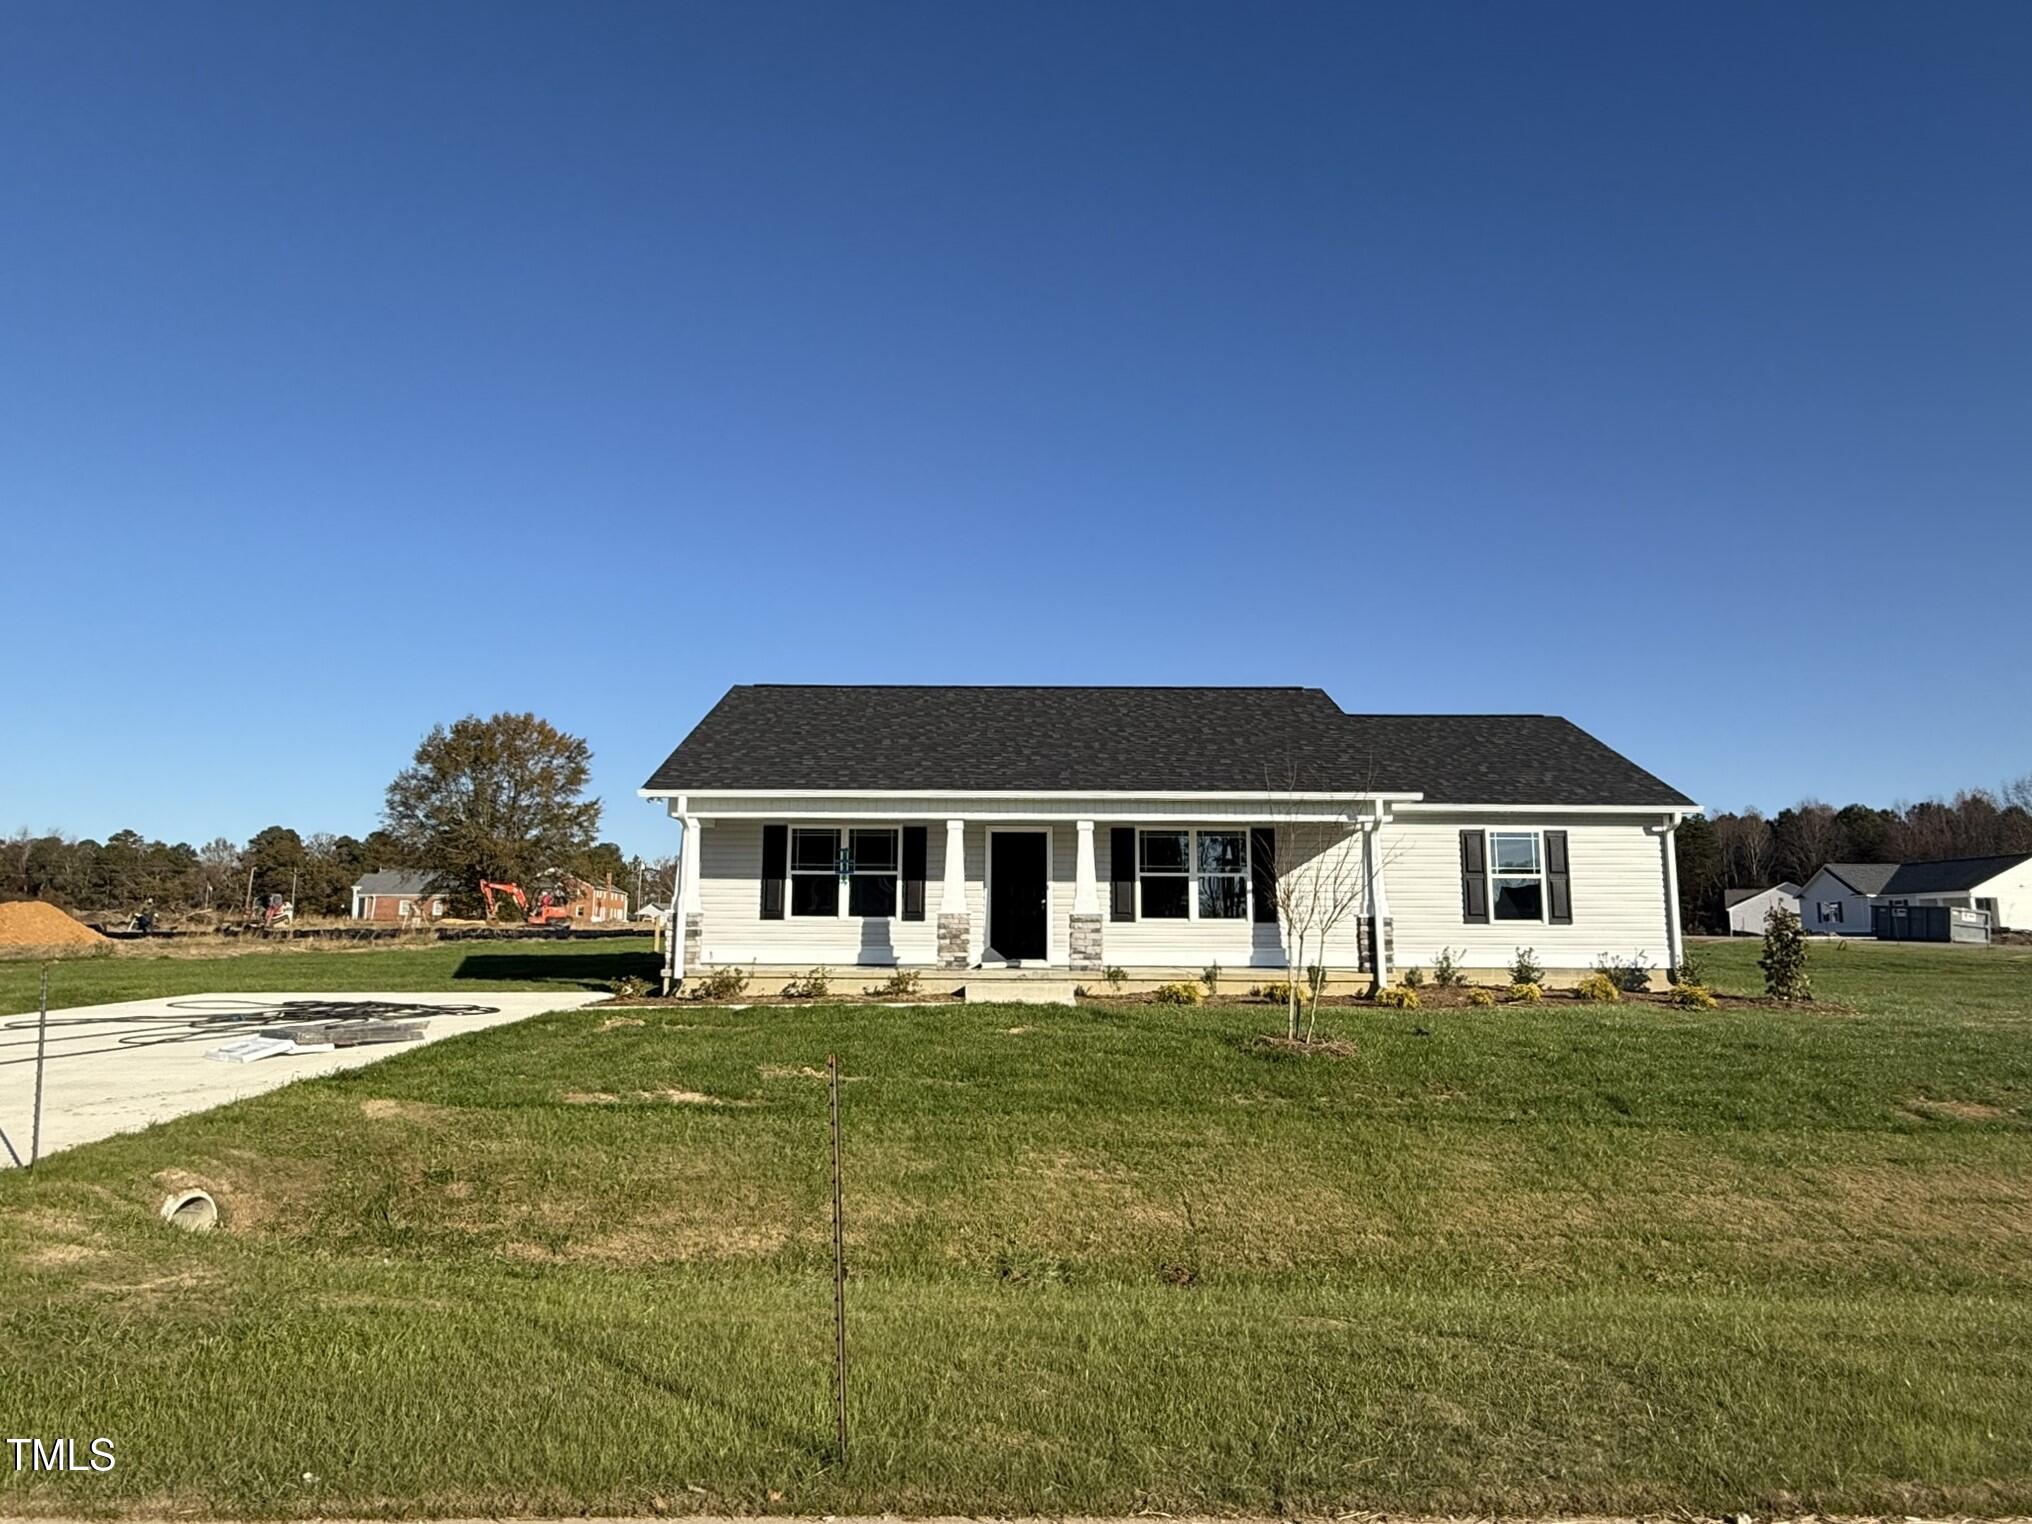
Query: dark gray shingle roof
396	881
1733	897
1864	878
1949	875
1240	740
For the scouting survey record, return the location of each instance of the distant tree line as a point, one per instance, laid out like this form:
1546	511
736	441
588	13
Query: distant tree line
318	871
499	798
1750	851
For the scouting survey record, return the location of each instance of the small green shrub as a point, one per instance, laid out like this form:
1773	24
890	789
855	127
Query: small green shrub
1525	967
628	987
1632	977
1526	992
721	984
1600	987
1446	970
1176	994
1480	996
1784	957
1279	990
1210	976
1688	971
816	984
1397	997
1116	977
1413	978
1693	997
905	981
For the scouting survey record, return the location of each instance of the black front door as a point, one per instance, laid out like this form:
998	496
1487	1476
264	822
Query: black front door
1016	896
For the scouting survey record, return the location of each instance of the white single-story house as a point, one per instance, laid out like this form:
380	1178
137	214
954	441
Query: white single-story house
1836	900
990	832
1841	897
1748	908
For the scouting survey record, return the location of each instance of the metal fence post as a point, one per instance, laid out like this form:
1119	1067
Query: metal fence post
41	1053
839	1270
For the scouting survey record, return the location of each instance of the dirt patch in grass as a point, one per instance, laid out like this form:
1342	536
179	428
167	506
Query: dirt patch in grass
1959	1111
1318	1047
671	1097
618	1021
385	1109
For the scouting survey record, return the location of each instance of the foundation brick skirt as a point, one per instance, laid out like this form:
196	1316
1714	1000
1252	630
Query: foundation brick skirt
954	931
1086	941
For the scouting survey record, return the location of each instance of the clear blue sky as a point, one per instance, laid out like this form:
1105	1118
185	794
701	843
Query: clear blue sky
362	366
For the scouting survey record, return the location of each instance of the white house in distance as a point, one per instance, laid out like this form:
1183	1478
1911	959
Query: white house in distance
1748	908
978	834
1836	900
1840	897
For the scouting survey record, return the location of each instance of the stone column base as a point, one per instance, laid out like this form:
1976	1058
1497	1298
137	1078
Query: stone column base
1086	942
954	932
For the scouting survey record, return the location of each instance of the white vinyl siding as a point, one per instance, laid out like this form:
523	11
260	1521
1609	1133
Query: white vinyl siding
1616	872
732	929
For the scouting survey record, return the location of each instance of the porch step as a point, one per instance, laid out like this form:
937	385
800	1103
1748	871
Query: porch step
1019	992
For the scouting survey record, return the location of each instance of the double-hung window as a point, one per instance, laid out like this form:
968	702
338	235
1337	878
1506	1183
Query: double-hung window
814	872
872	858
1516	875
1193	875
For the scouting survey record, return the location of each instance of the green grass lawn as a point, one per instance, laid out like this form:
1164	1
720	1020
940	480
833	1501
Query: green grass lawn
1564	1258
526	965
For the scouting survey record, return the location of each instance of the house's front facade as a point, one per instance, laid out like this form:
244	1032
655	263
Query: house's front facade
1836	900
978	831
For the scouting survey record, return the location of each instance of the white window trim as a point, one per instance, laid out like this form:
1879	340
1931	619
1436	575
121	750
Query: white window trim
895	834
1192	875
792	873
1496	876
843	836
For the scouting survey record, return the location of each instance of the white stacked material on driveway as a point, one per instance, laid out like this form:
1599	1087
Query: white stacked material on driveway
116	1068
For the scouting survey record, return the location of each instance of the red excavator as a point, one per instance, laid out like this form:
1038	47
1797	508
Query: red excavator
551	909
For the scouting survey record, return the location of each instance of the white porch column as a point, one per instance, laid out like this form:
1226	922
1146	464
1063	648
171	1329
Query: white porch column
952	889
1378	898
1084	948
955	930
1675	942
1086	889
685	927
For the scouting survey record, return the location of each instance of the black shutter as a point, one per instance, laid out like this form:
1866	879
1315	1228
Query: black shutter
775	865
1122	873
913	873
1558	886
1263	872
1474	876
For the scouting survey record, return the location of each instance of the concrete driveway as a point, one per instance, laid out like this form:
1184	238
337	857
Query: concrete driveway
116	1068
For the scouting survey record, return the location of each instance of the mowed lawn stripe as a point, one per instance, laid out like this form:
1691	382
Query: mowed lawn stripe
1568	1258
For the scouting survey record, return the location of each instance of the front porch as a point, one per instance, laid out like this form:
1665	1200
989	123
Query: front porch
1160	890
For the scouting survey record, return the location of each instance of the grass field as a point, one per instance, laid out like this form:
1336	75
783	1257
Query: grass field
1570	1258
129	975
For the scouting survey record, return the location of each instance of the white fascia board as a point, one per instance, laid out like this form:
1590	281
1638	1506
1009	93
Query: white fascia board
1427	806
1166	795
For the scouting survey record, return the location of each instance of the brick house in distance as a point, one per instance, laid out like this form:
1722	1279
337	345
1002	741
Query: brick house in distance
398	894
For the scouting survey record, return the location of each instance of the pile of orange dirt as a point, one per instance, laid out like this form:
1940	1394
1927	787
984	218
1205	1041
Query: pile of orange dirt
31	923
